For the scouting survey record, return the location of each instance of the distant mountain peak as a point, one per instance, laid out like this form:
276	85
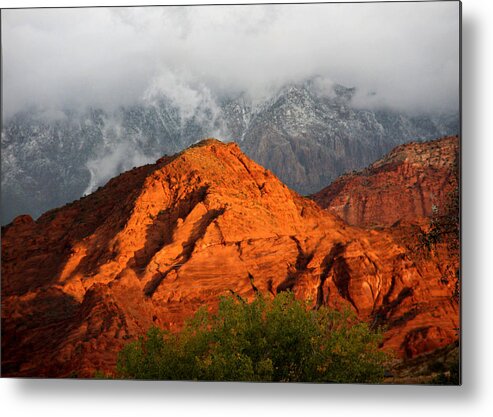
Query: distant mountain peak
307	133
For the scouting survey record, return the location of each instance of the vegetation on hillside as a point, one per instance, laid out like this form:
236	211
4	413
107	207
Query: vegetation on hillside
278	339
444	227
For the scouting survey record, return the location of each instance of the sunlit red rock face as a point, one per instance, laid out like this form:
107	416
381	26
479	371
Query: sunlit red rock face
403	185
158	242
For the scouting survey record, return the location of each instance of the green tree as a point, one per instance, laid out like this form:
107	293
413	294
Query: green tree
265	340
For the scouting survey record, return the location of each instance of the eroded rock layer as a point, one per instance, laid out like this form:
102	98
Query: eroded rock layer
407	184
158	242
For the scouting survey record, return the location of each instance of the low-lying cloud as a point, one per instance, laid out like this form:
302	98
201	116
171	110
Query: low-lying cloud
401	55
121	157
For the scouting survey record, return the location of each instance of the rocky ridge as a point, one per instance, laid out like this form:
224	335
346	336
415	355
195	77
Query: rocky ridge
159	241
409	184
305	134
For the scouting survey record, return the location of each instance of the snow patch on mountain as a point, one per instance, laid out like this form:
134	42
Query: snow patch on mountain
307	134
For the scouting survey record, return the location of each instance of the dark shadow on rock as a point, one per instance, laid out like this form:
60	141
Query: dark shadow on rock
327	265
198	231
160	232
24	339
295	271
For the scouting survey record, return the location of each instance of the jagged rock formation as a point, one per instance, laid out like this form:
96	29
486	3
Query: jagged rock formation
306	135
308	139
159	241
408	184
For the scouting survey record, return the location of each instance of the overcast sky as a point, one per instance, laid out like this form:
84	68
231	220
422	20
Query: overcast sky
406	53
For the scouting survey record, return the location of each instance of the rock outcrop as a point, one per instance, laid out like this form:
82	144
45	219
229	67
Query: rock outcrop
305	134
159	241
407	184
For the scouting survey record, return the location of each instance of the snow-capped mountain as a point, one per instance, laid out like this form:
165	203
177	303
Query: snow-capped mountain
306	136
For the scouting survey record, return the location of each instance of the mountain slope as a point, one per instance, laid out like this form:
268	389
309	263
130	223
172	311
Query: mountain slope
159	241
306	135
407	184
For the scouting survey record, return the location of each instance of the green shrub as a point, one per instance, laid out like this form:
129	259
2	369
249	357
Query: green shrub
265	340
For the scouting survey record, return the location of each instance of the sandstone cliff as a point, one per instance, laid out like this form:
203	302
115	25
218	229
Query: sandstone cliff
405	185
159	241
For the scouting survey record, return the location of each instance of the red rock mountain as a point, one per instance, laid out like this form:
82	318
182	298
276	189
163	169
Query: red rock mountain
158	242
403	185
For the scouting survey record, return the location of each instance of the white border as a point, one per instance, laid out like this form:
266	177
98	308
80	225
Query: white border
86	398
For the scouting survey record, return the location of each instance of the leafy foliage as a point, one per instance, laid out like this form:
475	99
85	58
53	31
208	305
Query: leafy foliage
445	226
265	340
